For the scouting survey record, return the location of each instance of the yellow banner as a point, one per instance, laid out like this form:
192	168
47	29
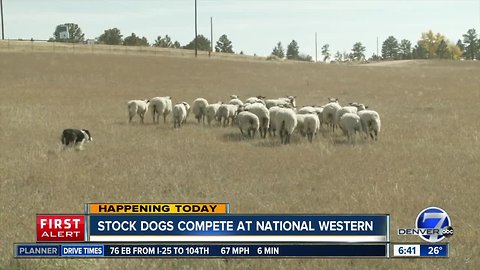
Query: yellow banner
157	208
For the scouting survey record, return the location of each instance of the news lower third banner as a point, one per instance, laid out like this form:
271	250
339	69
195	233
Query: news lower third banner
238	228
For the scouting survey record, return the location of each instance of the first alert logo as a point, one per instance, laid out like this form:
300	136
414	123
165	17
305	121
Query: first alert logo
60	228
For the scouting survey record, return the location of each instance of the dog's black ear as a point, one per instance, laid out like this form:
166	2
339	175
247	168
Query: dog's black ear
88	132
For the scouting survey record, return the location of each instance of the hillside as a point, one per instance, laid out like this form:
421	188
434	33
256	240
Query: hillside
427	154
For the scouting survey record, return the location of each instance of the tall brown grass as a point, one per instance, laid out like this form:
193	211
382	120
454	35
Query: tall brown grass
427	154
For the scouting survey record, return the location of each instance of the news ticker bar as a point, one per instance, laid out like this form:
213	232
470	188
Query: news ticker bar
89	250
196	250
157	208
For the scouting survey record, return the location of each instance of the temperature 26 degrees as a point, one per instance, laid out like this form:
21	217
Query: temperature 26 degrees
437	250
406	250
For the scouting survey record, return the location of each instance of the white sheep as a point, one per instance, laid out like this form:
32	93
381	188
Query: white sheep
285	121
329	113
180	114
300	124
350	124
234	96
211	111
199	107
226	112
236	101
257	99
248	122
139	107
263	115
160	106
273	113
319	112
370	122
188	108
306	110
311	125
286	101
360	107
343	110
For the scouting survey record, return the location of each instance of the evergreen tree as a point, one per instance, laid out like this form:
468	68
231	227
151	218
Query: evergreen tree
278	51
134	40
326	52
419	52
443	51
390	48
292	50
166	42
111	37
338	56
405	49
203	44
358	51
472	45
224	45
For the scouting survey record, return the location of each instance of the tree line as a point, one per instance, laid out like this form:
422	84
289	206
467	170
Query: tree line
113	36
430	46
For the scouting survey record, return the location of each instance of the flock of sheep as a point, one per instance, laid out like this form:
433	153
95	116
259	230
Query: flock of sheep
266	115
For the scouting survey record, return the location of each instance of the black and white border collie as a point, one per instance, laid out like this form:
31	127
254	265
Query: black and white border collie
75	137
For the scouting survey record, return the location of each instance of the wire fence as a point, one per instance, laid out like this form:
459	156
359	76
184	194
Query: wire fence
79	48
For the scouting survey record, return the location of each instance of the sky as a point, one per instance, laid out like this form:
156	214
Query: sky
254	27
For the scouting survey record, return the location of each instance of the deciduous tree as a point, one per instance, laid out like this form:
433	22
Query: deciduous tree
430	42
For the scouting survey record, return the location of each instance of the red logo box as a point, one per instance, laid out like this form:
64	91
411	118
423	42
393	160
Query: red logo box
60	228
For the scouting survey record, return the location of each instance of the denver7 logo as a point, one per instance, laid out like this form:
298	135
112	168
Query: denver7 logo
433	218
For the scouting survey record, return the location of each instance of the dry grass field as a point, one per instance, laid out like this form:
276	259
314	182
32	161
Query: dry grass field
427	155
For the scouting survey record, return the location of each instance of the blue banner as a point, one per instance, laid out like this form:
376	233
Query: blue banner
439	250
81	250
216	250
251	225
